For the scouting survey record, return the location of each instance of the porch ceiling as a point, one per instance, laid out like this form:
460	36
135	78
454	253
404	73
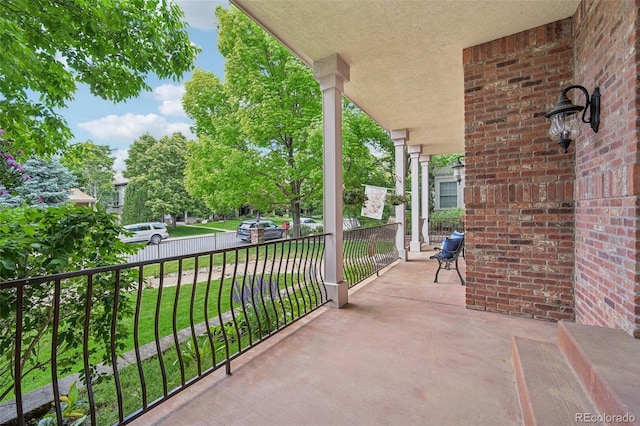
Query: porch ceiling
405	56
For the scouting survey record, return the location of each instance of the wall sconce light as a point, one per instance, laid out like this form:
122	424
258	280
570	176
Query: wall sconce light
457	169
564	124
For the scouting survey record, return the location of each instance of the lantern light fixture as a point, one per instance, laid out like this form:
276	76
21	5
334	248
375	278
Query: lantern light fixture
457	169
564	124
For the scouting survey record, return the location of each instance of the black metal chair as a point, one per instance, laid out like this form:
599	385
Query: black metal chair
452	247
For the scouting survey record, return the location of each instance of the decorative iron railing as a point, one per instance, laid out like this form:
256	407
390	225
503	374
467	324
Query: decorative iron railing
368	250
135	334
440	229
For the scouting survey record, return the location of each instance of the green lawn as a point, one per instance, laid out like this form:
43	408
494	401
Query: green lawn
217	226
188	230
150	297
253	323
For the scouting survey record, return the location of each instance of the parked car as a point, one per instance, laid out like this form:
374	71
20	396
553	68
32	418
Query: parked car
350	224
271	230
149	232
309	223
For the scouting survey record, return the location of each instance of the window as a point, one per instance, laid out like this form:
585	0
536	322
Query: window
448	195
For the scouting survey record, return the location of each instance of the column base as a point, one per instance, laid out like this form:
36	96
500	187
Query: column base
425	232
338	294
415	246
402	254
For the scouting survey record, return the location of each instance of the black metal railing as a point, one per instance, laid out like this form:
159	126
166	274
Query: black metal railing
131	336
439	229
368	250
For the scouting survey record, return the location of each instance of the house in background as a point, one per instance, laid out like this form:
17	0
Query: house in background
117	204
80	199
448	193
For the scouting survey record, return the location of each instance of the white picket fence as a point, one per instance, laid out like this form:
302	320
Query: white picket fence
181	246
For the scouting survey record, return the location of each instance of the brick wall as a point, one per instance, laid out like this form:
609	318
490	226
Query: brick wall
607	172
519	185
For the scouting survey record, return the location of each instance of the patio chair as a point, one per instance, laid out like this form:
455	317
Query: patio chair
452	247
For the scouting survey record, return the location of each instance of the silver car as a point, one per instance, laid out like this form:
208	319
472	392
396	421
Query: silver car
149	232
271	230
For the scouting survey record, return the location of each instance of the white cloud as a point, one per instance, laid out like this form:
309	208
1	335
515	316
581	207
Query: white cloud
120	155
200	13
170	96
129	127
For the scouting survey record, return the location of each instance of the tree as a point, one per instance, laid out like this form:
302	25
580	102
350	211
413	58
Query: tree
155	169
45	183
92	166
260	140
50	46
135	210
44	241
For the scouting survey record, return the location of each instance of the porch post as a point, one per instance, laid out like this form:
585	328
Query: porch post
399	138
424	162
331	73
416	240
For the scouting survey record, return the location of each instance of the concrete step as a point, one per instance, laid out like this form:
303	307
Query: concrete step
607	363
549	392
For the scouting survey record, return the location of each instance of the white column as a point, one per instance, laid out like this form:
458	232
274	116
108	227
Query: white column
416	241
331	73
399	138
424	162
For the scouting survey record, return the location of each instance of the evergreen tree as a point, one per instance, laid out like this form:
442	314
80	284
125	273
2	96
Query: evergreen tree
47	183
135	209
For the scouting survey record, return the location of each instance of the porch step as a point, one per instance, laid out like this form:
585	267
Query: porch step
591	370
548	390
607	363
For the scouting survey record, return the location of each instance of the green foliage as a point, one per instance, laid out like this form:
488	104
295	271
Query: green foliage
444	160
47	183
11	172
49	47
36	242
92	166
74	410
135	209
447	219
259	131
155	169
396	200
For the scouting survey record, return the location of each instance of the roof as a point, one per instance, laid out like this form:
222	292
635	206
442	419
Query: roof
80	197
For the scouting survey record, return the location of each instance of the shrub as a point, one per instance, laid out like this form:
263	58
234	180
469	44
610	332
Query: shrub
43	241
449	219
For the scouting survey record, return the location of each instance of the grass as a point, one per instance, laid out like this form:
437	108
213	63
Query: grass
188	231
170	300
263	252
175	373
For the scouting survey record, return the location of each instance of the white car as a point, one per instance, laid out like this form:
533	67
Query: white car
309	223
149	232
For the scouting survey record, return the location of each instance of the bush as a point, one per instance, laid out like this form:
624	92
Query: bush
44	241
449	219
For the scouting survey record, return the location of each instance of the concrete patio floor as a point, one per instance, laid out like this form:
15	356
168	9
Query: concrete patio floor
405	351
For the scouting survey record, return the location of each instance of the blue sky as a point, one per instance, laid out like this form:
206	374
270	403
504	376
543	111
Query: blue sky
158	112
